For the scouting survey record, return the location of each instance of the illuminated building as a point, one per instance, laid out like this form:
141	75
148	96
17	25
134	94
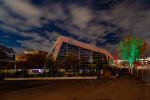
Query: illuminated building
31	59
139	62
24	56
85	53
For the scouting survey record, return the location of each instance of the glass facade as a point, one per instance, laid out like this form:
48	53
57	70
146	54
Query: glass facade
86	58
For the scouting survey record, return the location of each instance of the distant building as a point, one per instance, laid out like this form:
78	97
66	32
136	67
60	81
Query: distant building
140	62
24	56
31	59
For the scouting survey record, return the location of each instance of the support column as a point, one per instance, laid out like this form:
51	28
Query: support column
67	49
79	60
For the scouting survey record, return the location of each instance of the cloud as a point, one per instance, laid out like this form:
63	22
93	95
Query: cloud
55	12
26	16
43	46
82	21
129	16
34	36
37	41
19	49
22	8
81	16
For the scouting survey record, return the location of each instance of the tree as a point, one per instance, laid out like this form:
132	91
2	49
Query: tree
32	61
99	66
50	64
71	62
37	60
131	49
7	57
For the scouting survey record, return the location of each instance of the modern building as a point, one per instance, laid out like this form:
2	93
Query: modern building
85	53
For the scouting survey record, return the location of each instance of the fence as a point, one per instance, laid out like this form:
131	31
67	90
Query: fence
143	73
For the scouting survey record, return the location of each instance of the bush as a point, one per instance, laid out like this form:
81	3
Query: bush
2	76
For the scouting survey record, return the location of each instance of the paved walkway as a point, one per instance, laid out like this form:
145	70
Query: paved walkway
124	88
51	78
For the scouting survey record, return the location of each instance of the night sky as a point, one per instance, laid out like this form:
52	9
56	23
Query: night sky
36	24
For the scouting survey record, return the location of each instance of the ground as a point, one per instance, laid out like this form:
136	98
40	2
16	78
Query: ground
123	88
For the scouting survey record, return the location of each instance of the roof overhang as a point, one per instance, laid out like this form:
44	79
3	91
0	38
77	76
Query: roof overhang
63	39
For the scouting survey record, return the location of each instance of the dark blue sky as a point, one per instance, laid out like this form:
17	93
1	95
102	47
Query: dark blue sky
36	24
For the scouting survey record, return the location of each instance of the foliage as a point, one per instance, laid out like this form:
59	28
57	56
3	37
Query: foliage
6	53
71	61
111	62
7	57
131	49
33	61
99	64
50	63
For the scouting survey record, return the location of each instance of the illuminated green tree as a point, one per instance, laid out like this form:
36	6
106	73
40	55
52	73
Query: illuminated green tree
131	49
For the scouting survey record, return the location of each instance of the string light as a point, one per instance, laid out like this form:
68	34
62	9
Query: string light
130	49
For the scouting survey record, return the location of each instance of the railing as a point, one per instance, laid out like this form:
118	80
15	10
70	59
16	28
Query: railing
7	60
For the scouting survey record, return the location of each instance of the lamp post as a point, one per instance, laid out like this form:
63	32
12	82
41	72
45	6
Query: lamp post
14	61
